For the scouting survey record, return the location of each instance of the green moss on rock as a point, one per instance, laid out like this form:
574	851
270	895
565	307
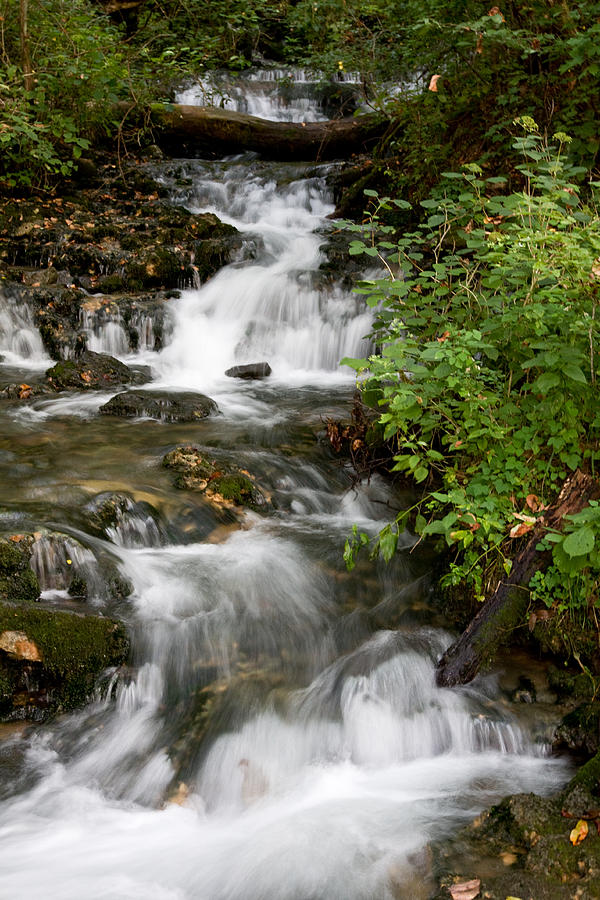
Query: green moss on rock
74	650
220	482
17	581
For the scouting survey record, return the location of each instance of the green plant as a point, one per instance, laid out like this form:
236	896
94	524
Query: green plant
486	328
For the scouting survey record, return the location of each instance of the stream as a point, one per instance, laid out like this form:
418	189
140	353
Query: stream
331	761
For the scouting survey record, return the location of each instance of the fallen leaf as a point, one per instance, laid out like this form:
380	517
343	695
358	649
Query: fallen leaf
479	47
579	833
16	538
508	858
433	83
521	529
522	517
86	376
533	502
465	890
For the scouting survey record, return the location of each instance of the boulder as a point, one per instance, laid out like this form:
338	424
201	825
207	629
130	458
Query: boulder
221	483
250	371
90	371
50	659
185	406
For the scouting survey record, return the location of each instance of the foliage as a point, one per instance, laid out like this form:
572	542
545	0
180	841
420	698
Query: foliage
78	74
486	328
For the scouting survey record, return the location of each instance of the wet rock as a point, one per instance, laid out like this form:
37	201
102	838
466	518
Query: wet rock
70	652
18	582
250	371
172	407
127	522
522	848
90	371
579	730
221	483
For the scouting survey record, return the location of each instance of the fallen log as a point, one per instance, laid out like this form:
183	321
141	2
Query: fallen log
218	132
505	609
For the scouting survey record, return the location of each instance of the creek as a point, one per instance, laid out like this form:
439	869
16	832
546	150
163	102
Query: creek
279	734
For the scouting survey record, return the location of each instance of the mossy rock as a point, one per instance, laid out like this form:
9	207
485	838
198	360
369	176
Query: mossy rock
72	651
221	483
183	406
90	371
17	580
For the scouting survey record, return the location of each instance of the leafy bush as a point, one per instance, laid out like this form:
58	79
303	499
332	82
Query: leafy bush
486	329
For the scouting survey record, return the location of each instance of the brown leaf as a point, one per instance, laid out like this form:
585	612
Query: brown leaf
479	47
433	83
521	529
532	621
16	538
465	890
533	502
579	833
86	376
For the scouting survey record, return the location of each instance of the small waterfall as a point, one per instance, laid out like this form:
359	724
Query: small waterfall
273	308
105	331
268	94
20	342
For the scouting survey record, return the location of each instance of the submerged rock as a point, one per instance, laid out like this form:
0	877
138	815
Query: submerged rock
90	371
221	483
250	371
185	406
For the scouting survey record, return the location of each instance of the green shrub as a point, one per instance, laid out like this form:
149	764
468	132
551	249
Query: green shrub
486	329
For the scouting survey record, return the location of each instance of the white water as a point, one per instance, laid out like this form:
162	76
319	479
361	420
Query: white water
259	95
20	342
334	759
272	309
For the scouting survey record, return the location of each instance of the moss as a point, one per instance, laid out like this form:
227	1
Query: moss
236	487
17	581
217	480
588	776
74	649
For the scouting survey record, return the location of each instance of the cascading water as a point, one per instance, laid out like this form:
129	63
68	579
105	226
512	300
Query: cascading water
279	735
20	342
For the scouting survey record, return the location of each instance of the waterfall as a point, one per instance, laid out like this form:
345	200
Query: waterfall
20	342
279	734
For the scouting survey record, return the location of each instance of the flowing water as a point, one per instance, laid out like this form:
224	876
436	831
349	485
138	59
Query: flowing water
279	734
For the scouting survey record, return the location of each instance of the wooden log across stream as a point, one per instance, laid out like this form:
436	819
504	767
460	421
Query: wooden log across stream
217	132
505	608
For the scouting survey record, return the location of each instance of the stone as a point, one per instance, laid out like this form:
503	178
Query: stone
184	406
222	483
90	371
19	646
250	371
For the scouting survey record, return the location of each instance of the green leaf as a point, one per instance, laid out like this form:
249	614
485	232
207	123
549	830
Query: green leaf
574	373
580	542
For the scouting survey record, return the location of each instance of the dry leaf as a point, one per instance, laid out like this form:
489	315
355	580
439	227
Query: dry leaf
579	833
465	890
479	47
433	83
16	538
521	529
522	517
86	376
533	502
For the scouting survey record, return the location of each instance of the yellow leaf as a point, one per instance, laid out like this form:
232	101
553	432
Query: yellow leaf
579	833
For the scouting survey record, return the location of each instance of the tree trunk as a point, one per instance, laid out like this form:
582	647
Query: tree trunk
216	132
25	49
505	609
